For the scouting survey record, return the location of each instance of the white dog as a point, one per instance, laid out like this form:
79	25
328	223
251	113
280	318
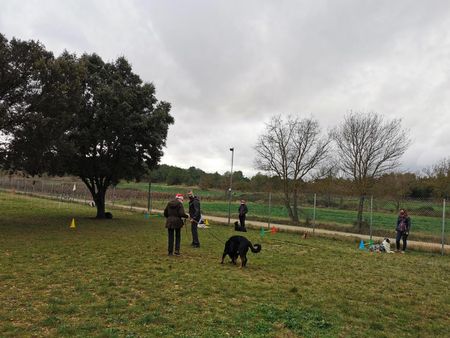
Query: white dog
387	245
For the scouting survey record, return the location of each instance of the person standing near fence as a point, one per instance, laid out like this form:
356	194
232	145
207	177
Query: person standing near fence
403	227
242	213
174	212
195	215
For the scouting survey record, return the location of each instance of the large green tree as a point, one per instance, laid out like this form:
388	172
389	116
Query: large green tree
85	117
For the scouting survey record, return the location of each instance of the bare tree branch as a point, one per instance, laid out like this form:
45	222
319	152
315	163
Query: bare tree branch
291	149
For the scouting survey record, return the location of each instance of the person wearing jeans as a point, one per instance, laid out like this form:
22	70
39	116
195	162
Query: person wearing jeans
174	212
195	214
403	227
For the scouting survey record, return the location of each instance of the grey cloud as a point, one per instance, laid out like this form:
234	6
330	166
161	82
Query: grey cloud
227	66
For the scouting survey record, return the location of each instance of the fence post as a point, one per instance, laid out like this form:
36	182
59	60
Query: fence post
371	218
270	209
443	226
314	213
149	196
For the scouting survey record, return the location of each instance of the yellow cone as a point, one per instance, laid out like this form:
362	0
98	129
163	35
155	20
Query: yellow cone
206	222
72	224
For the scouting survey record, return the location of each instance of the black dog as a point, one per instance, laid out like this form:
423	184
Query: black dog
238	227
238	246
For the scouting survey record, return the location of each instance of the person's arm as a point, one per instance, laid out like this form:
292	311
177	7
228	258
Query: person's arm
245	209
181	212
197	213
166	211
408	224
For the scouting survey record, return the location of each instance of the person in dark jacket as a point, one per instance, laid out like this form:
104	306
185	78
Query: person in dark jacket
195	216
242	212
174	212
403	227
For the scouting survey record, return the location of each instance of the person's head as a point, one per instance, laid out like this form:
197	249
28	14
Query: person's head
242	201
403	213
190	194
179	197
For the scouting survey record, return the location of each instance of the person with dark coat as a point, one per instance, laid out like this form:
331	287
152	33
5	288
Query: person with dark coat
174	212
195	216
242	212
402	228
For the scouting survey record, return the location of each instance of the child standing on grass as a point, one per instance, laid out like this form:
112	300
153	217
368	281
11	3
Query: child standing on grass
174	212
403	227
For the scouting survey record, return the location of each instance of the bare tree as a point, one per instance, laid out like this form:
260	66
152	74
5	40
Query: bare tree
367	147
291	150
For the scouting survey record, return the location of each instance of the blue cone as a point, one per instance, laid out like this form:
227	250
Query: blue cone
361	245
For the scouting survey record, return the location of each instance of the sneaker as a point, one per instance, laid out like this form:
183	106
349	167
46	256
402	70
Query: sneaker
177	253
196	245
170	254
403	251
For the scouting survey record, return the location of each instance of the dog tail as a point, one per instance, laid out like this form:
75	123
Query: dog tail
255	248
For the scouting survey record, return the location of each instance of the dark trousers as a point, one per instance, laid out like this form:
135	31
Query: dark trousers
242	220
177	239
194	231
403	236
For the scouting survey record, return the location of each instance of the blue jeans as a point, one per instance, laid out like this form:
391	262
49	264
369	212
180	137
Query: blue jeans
401	235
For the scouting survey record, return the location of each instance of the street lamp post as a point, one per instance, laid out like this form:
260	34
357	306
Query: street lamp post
231	184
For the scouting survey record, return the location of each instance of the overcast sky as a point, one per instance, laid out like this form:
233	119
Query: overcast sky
228	66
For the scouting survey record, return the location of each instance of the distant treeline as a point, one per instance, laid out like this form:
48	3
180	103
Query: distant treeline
435	183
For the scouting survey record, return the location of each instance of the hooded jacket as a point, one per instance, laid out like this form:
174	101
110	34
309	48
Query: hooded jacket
194	209
407	223
174	212
242	209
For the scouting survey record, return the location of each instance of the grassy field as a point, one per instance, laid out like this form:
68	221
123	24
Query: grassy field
114	279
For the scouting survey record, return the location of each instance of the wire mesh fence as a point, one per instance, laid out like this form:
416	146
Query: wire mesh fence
326	211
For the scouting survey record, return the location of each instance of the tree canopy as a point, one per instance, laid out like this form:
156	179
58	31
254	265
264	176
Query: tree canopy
79	116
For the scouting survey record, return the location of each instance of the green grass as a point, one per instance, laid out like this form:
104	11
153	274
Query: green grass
114	279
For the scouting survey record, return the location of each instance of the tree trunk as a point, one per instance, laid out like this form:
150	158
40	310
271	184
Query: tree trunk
359	219
99	200
292	212
289	209
97	188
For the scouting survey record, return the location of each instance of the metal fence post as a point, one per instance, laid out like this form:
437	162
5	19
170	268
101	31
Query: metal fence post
443	226
149	195
371	216
314	213
270	209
